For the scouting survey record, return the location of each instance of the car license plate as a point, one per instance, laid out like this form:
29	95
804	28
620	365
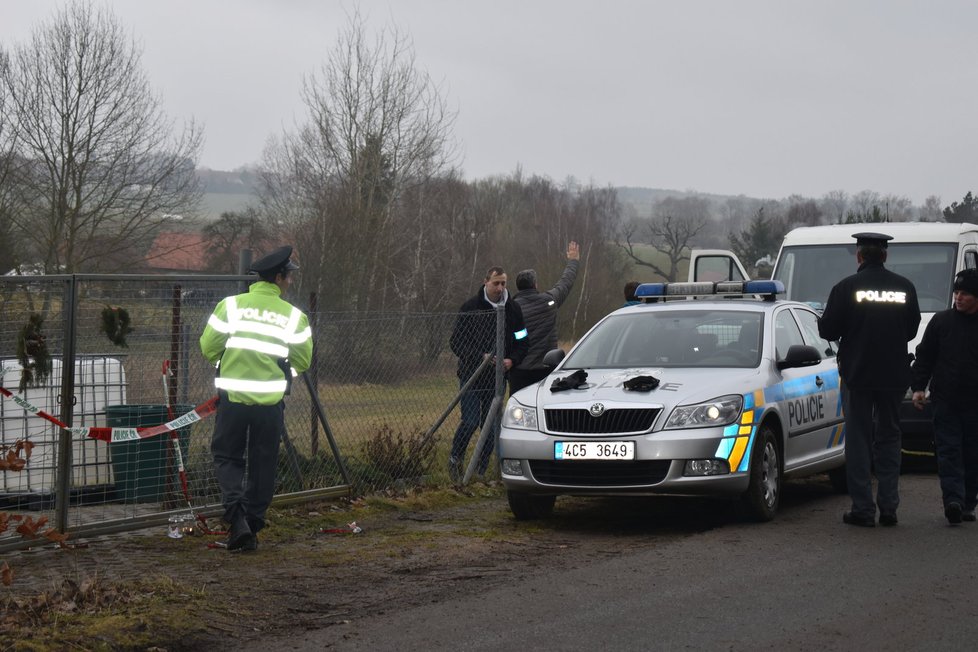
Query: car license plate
594	450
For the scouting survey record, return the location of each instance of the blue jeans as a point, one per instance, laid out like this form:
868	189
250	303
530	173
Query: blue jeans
474	405
872	444
956	436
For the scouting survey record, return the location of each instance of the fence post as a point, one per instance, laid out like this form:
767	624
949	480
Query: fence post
63	475
244	264
312	373
169	502
497	403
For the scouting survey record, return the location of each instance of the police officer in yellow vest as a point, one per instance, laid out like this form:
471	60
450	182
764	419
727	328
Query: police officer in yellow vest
873	314
257	341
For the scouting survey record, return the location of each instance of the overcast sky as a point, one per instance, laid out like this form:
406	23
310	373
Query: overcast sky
755	97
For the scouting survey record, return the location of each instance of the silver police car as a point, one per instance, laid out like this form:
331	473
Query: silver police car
726	391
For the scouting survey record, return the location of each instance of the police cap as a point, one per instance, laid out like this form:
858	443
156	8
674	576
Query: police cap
872	239
275	262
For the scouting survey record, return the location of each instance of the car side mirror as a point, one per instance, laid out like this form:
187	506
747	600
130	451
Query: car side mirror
553	358
800	355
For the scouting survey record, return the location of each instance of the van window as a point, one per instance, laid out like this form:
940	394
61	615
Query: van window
970	259
809	272
716	268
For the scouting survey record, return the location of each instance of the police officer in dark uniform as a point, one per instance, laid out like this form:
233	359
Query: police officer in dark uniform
873	314
258	341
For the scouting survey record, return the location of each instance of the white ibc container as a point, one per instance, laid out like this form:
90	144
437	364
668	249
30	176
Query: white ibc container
99	381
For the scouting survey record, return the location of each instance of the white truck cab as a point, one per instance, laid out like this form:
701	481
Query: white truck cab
813	259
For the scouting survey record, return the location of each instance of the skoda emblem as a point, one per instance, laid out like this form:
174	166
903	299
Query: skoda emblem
596	410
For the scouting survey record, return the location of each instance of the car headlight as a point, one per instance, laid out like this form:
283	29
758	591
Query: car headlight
716	412
517	416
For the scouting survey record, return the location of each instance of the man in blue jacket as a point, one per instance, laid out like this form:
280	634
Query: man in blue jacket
947	358
473	340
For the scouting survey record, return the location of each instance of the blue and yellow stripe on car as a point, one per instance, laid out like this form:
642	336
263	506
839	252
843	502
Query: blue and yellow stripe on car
739	436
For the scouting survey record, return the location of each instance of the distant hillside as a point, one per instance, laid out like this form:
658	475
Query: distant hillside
238	182
226	191
642	199
235	190
215	203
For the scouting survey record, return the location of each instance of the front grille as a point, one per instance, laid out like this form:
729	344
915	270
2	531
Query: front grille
584	473
611	422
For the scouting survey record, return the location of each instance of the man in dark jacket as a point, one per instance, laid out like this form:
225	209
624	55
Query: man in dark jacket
947	357
473	340
540	314
873	313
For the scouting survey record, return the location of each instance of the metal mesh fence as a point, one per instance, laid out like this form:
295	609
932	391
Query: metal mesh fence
378	387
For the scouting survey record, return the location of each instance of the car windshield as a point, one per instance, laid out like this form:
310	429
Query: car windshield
672	338
809	272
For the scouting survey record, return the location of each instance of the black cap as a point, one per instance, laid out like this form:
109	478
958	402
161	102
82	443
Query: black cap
967	281
275	262
872	239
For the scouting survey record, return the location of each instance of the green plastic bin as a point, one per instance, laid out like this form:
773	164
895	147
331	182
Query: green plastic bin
140	466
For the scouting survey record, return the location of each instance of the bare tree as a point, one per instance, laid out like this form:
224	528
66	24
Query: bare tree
802	212
931	211
100	169
863	203
833	205
667	235
231	233
8	248
377	127
897	208
674	224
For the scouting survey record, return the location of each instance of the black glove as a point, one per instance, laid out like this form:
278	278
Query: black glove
573	381
641	383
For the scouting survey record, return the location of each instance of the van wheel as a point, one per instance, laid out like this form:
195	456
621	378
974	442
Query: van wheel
763	493
837	477
529	507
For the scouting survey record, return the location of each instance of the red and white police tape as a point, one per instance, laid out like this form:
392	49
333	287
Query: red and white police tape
115	434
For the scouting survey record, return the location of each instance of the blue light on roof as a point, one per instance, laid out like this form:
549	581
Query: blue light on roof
764	287
650	290
723	288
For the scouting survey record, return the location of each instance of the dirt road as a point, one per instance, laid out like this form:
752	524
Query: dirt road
428	569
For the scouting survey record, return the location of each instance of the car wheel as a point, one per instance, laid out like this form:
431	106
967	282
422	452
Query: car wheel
837	477
764	491
528	507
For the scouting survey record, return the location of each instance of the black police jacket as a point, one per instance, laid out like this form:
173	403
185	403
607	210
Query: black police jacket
474	335
873	314
947	356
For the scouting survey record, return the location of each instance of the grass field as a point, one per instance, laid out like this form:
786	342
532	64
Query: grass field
214	203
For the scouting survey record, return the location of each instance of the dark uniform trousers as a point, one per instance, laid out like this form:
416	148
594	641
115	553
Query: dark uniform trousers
872	444
257	429
956	438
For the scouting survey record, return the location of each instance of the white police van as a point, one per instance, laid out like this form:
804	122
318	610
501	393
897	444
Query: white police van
704	397
813	259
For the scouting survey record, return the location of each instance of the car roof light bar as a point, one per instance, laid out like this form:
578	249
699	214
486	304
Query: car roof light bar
768	289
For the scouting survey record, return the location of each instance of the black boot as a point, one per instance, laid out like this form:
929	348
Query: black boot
241	537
